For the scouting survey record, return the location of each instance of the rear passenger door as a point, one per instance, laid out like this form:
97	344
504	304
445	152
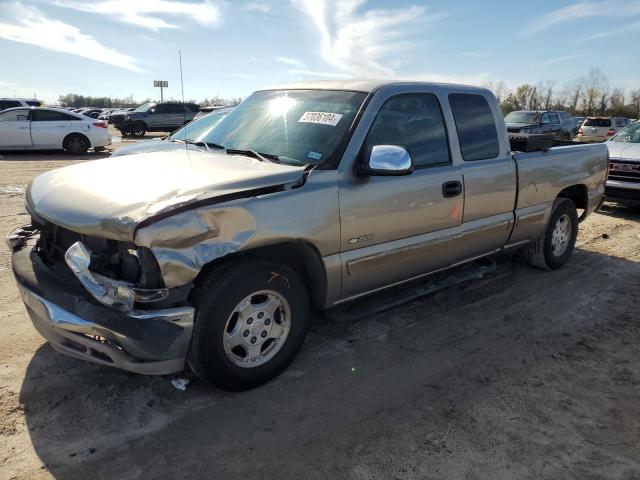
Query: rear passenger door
14	129
48	128
489	175
169	115
397	227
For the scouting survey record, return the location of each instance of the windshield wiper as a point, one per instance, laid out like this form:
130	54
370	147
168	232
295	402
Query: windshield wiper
206	145
263	157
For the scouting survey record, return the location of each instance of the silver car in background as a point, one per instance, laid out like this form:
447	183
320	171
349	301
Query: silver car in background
599	129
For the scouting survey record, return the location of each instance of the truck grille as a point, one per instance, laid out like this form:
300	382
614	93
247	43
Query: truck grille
624	171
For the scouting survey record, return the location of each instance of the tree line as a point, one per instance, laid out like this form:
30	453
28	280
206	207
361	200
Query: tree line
78	101
589	94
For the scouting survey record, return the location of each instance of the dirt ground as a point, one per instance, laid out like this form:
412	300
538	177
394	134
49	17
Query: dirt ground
526	375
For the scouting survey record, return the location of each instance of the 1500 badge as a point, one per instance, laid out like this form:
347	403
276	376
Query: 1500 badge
361	238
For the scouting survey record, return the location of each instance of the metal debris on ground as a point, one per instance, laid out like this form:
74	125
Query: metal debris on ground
180	383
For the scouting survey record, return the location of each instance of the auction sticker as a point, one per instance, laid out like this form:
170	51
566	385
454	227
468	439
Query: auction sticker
323	118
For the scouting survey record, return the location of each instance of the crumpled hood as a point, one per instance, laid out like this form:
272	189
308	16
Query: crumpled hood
110	197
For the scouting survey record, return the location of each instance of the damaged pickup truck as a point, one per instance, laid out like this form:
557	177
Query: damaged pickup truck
304	197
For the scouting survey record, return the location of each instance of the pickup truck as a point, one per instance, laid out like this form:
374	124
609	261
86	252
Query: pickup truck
623	182
302	198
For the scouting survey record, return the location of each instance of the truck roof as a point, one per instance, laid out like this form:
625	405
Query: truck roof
365	86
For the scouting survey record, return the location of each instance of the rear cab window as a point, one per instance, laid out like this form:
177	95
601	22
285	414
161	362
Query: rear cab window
475	125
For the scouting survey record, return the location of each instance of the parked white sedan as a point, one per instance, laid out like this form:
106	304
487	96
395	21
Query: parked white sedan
51	129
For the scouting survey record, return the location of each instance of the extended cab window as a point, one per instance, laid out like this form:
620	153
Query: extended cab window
413	121
475	125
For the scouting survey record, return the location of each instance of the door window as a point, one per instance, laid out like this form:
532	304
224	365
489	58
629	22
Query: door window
50	116
4	104
475	125
413	121
555	118
14	116
546	120
170	108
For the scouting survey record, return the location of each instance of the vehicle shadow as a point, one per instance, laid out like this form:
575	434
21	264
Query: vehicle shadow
481	379
620	211
26	155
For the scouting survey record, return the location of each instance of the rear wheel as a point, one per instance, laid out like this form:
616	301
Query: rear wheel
555	247
76	144
251	319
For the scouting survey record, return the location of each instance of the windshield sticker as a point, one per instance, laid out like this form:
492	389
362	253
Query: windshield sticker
322	118
314	155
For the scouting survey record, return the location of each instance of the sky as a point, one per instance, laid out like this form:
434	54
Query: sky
234	47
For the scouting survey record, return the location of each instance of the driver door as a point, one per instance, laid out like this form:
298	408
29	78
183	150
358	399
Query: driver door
396	227
15	130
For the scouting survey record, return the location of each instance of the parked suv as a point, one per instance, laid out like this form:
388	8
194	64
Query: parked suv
555	122
154	117
18	102
599	129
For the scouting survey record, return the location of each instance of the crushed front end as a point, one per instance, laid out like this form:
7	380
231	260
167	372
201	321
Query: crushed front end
101	300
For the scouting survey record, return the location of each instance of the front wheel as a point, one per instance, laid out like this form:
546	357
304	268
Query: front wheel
251	319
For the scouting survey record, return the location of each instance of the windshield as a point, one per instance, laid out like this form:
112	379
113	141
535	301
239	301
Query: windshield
522	117
144	107
630	134
299	126
198	130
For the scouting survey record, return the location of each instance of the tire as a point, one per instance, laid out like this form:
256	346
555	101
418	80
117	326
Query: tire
76	144
554	248
138	129
223	337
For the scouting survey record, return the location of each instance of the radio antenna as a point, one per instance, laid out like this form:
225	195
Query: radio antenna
184	112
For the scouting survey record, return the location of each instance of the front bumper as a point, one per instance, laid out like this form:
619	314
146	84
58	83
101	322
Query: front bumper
153	342
627	193
590	138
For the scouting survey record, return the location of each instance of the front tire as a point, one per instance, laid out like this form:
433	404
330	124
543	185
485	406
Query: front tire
138	129
251	319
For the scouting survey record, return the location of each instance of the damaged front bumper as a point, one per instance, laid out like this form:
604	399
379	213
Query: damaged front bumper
79	324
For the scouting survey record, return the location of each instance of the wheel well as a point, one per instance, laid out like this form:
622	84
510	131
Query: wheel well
75	134
579	195
300	256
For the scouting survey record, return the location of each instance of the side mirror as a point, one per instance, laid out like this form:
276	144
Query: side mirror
387	160
152	110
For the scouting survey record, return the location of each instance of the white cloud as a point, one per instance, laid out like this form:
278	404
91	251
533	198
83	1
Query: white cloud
609	33
581	10
29	25
257	7
563	59
291	61
148	13
361	42
477	79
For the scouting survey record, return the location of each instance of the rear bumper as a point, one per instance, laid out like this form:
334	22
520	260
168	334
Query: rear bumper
153	342
590	139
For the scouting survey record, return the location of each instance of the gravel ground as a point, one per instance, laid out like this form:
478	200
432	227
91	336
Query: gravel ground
526	374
